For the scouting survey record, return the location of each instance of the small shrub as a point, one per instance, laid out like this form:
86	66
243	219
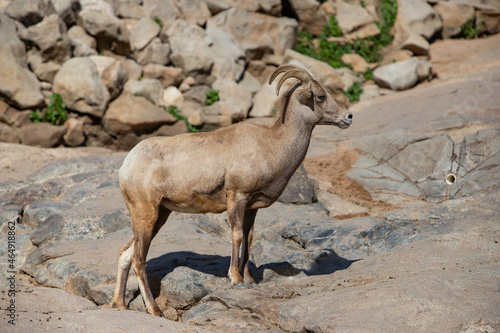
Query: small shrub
470	30
368	75
212	97
174	111
369	48
55	113
388	12
354	92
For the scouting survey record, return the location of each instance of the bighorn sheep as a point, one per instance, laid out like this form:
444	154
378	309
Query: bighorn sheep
239	168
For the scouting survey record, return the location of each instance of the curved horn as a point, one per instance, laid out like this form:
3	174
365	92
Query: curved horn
291	71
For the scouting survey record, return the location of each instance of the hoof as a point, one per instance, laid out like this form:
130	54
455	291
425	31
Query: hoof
120	306
238	285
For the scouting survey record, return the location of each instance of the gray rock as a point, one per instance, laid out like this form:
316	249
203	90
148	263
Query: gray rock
67	10
300	189
42	134
64	311
87	95
130	9
45	71
262	34
74	135
397	76
351	17
150	89
46	230
50	37
184	286
106	29
193	11
418	17
129	113
29	12
84	44
113	74
168	75
142	33
155	52
165	10
190	48
8	134
235	100
18	85
452	16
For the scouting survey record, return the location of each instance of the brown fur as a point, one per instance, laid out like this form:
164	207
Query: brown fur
239	168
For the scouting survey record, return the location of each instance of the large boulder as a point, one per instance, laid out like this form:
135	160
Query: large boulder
190	46
50	37
155	52
129	113
453	17
418	17
88	94
18	85
352	17
401	75
142	33
107	30
42	135
257	34
235	100
229	59
83	44
150	89
29	12
113	74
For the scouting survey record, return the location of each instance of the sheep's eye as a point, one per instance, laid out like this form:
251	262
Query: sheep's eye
320	98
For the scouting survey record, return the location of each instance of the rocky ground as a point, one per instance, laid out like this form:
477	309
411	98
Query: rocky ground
391	225
389	245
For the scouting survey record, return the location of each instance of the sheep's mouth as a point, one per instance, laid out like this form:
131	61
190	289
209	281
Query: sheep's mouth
344	123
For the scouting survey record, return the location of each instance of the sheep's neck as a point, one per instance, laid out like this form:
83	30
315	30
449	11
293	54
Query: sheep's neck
292	138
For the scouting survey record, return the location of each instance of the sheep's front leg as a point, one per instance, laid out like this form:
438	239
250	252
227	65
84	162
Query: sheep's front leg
246	243
236	205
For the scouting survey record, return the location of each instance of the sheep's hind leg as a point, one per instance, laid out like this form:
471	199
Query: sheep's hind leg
145	225
122	276
248	224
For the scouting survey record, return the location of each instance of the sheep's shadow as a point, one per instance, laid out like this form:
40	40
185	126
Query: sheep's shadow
218	266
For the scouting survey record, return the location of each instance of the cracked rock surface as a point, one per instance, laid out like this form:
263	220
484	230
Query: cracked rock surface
384	243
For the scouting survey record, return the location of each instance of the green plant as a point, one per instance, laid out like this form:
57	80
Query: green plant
158	21
332	29
368	75
55	113
212	97
470	30
388	10
174	111
354	91
139	78
369	48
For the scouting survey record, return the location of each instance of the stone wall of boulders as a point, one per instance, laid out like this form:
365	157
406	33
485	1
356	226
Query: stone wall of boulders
118	63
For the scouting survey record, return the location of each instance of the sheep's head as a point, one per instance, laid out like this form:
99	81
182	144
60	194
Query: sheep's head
326	110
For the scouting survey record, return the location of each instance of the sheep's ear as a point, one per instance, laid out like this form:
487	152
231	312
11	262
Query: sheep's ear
305	95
